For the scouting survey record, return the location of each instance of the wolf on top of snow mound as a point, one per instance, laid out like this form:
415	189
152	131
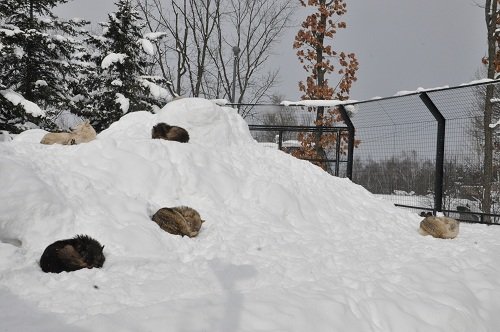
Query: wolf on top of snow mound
81	133
170	133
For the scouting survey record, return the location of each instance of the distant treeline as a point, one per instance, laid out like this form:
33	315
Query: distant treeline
407	172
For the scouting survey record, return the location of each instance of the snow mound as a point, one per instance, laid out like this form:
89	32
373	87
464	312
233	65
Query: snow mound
207	123
32	136
285	246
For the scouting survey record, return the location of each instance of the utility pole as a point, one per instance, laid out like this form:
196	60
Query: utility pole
236	52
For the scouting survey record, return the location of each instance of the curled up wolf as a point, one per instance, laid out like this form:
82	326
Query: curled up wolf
68	255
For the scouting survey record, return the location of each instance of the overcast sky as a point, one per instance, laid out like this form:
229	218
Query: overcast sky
400	44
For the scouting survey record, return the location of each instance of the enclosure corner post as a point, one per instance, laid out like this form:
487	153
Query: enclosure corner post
441	122
350	140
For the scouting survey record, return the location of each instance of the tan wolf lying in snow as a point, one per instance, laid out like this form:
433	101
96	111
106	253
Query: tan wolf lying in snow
439	227
81	133
181	220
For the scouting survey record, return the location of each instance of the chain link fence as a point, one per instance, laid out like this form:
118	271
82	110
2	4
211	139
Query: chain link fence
399	146
423	150
279	127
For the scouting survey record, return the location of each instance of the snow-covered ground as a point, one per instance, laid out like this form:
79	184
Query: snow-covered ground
285	246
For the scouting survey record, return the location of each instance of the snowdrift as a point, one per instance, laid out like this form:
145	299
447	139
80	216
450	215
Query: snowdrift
284	246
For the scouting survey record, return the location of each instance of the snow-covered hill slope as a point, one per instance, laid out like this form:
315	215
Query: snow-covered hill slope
285	246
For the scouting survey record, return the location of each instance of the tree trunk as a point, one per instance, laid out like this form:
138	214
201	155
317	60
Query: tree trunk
491	22
28	77
320	72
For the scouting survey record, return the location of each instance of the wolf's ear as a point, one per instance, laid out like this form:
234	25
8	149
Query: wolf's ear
102	247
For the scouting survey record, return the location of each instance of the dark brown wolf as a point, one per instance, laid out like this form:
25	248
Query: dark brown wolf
77	253
170	133
179	220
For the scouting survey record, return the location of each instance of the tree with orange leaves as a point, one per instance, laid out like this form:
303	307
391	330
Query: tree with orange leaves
320	60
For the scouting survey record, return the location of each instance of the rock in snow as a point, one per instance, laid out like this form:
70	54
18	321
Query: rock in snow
284	246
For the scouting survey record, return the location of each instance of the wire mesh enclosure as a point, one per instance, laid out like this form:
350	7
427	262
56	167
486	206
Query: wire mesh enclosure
399	150
280	127
398	136
422	150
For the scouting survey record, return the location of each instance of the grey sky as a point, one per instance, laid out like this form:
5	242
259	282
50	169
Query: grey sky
400	44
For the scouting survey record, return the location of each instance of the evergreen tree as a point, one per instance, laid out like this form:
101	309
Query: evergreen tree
118	85
36	61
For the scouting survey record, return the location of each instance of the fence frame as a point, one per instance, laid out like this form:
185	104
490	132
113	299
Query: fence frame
338	130
440	140
440	136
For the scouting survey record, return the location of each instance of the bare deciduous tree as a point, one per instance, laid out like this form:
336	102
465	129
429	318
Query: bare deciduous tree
185	52
198	53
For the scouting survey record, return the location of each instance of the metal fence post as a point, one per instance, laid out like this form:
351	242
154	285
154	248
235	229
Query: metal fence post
337	154
441	122
350	140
